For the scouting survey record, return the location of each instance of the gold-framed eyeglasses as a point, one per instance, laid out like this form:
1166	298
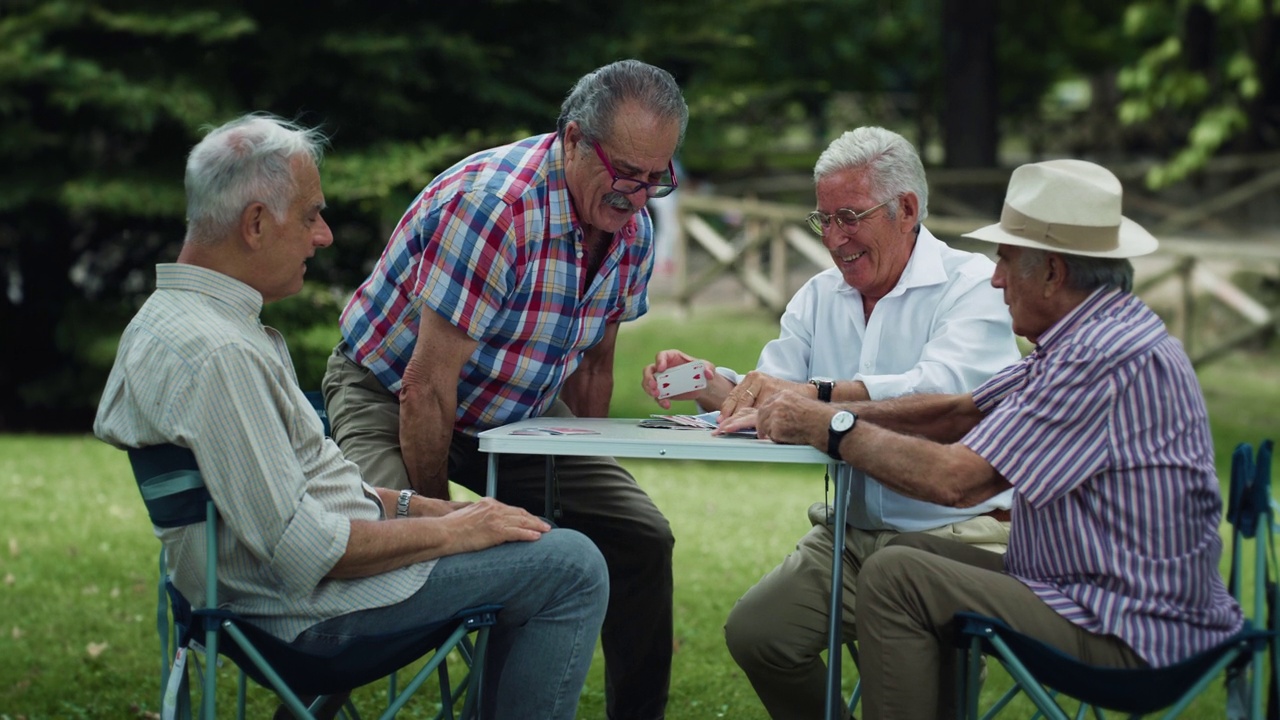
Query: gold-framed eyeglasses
844	218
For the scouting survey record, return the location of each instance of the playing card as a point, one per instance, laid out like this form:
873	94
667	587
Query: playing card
681	379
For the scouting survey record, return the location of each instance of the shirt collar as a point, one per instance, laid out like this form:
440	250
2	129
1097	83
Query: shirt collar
194	278
1098	301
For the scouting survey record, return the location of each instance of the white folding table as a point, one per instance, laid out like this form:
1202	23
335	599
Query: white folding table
617	437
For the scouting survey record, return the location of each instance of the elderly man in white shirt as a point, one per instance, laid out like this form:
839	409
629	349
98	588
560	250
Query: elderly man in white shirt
900	313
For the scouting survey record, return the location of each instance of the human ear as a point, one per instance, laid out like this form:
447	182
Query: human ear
251	229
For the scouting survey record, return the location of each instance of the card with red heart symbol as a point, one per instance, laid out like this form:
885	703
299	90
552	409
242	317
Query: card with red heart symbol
681	379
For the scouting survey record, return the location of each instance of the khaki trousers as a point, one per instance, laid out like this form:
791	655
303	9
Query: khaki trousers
908	594
597	497
777	629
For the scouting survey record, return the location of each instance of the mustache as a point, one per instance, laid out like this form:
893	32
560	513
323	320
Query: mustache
620	201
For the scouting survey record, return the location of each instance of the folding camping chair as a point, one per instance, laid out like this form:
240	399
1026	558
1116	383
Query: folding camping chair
1043	672
174	492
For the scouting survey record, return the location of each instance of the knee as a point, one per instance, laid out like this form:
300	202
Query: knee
753	631
883	573
582	566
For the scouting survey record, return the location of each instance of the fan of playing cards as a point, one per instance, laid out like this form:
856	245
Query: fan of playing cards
705	421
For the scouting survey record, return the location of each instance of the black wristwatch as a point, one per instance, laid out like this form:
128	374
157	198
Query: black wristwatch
825	386
841	423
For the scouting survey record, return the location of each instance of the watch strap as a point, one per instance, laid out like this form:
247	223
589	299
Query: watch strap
825	388
402	504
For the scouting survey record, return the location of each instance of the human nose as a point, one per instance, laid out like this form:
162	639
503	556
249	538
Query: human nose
833	236
998	277
323	236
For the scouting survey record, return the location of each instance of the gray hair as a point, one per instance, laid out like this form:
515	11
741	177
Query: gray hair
1083	272
247	160
893	165
596	97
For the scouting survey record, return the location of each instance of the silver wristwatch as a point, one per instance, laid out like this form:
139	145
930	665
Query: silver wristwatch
402	505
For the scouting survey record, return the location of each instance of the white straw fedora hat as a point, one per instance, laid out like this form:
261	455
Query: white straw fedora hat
1067	206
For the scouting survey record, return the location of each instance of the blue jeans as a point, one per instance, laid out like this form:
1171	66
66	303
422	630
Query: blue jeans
553	593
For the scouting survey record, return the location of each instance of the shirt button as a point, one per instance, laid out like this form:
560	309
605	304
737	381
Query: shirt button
579	254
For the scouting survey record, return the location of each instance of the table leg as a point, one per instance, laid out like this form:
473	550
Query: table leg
835	650
491	483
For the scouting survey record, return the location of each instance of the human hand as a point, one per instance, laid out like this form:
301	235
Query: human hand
665	360
791	418
755	388
743	419
487	522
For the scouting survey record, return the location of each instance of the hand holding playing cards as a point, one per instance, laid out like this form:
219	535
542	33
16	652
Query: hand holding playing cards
675	375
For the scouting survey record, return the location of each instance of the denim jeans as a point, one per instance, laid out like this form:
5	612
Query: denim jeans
553	593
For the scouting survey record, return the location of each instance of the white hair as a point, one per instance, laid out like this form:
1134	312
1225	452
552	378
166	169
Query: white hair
247	160
892	163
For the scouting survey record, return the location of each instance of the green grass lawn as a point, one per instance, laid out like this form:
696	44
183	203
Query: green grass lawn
77	563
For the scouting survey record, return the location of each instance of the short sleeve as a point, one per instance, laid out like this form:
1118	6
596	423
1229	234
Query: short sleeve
468	260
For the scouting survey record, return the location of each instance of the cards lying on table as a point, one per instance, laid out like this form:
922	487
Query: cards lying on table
554	431
681	379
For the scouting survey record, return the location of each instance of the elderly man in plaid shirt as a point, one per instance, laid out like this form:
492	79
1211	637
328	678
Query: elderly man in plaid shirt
498	298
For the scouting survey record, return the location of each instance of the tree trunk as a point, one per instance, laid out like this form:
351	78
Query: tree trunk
970	116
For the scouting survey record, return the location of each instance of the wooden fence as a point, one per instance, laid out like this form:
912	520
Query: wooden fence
767	249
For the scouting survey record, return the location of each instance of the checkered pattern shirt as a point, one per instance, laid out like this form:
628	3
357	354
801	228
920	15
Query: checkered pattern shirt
493	245
1104	435
196	368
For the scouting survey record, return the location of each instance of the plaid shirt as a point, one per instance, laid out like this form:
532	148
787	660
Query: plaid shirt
1104	435
494	246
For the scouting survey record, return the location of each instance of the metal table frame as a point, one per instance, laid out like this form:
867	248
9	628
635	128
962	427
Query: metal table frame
625	438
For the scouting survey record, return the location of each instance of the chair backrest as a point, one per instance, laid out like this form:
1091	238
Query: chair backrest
173	490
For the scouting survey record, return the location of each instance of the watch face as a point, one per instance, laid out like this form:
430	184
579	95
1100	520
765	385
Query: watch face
842	421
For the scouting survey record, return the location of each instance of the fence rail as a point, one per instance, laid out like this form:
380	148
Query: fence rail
765	246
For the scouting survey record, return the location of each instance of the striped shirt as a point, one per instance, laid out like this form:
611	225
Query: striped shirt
1104	435
197	368
493	245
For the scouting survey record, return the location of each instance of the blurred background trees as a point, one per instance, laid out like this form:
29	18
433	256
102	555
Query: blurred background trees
100	102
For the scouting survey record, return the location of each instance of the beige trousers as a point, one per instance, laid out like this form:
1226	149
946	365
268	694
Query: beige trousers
777	629
908	594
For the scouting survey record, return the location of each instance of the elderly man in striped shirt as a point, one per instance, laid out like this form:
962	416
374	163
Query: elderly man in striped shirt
1102	433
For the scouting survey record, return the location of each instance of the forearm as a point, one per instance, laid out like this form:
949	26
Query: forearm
940	418
950	475
588	391
426	431
375	547
419	505
847	391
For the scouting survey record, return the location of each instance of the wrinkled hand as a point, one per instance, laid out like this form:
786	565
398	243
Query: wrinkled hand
755	388
743	419
664	361
487	522
791	418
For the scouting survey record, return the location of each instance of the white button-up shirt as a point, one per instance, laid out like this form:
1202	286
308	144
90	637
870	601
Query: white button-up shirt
942	329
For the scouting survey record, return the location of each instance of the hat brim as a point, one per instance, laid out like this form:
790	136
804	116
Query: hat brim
1134	241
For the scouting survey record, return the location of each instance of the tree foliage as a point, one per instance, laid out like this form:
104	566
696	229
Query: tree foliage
1208	71
100	102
